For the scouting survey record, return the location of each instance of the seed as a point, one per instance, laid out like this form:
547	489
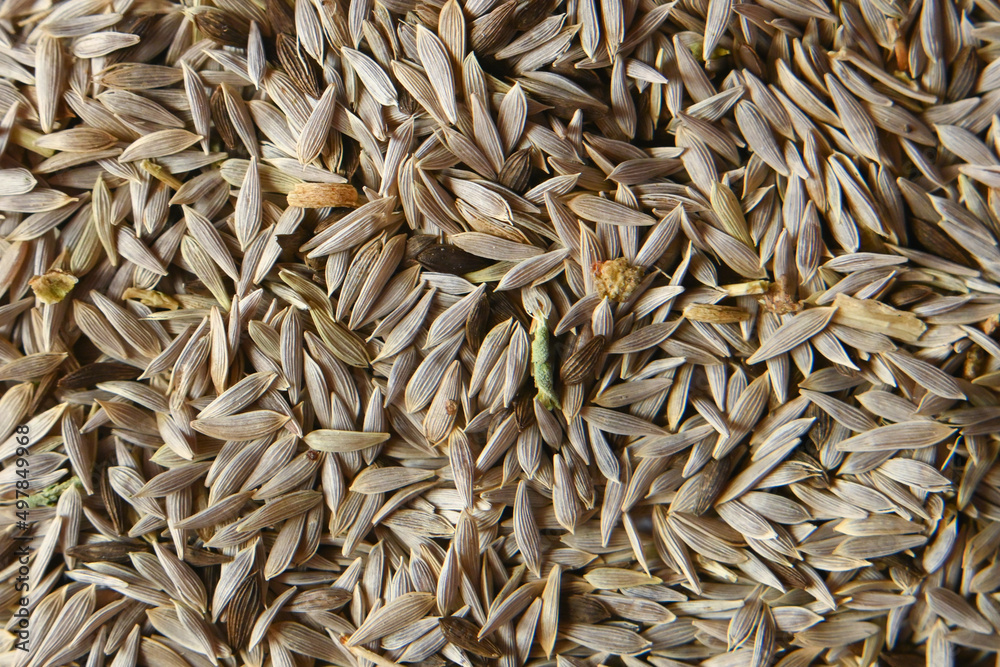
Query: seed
582	362
223	26
285	285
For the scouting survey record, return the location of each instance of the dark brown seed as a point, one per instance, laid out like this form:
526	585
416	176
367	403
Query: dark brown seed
583	609
282	20
494	30
115	552
220	116
478	323
581	363
449	259
516	171
102	371
242	611
204	558
529	14
524	410
464	635
114	505
298	68
223	27
415	245
502	308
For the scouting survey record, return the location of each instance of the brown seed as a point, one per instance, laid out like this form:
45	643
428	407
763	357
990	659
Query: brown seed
582	362
299	70
223	27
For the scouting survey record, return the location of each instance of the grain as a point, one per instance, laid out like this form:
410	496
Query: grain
391	332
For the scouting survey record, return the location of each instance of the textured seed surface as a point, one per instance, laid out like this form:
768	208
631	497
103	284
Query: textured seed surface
550	332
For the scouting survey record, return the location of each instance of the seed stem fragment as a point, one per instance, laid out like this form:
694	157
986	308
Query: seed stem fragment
541	367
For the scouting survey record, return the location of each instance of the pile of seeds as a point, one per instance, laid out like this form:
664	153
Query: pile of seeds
510	332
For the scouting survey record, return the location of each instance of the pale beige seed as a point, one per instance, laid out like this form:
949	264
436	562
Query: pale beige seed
526	530
77	140
380	480
198	102
565	503
38	200
243	426
596	209
136	333
462	466
727	208
239	396
392	617
858	124
437	63
759	136
926	375
610	639
158	144
488	136
327	440
374	77
50	69
793	333
102	43
124	103
239	117
16	181
719	13
532	269
612	421
613	578
248	213
210	239
314	132
185	581
915	473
